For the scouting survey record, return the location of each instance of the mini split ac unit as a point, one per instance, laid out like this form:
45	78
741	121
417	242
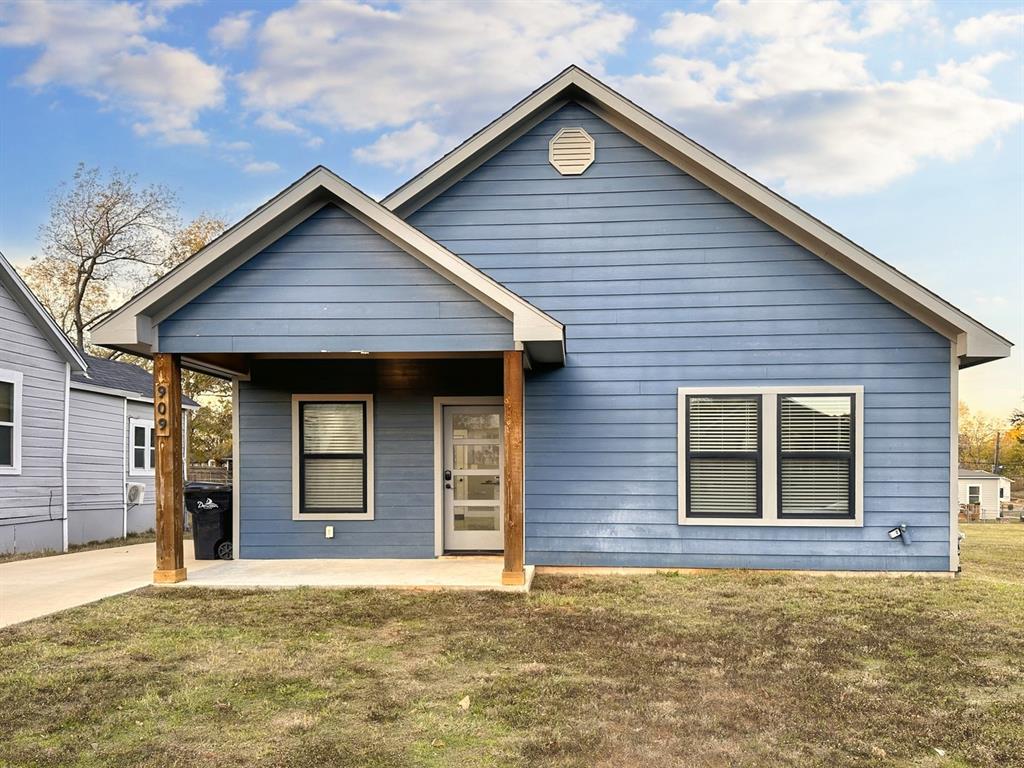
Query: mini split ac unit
136	493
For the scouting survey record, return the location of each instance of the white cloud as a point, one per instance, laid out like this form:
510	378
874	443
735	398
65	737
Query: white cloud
266	166
232	31
274	122
732	20
990	27
404	149
103	51
356	66
797	104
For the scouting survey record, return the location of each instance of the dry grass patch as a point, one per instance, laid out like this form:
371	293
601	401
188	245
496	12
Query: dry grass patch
724	669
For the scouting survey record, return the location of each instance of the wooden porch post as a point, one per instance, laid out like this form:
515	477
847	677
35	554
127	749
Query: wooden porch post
513	572
170	552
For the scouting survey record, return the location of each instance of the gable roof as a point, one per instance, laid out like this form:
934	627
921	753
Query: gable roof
39	316
975	343
132	327
118	377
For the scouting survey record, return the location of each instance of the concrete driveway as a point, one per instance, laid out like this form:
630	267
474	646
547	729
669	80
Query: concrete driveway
31	588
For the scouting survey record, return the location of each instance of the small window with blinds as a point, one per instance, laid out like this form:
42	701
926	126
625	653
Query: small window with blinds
723	456
333	457
816	456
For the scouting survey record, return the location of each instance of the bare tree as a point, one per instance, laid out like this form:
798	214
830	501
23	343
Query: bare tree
106	237
193	237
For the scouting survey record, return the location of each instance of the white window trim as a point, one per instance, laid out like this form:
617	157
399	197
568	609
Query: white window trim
769	458
978	502
134	471
17	379
296	459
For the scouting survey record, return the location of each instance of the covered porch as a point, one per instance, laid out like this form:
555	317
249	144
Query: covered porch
377	385
413	528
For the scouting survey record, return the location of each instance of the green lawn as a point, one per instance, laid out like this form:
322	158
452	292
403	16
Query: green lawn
721	669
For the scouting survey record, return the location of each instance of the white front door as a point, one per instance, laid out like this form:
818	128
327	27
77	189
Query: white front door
473	461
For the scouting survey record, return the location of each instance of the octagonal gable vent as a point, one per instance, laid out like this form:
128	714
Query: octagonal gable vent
571	151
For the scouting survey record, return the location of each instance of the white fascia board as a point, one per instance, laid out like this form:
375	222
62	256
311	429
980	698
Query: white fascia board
133	326
973	339
38	314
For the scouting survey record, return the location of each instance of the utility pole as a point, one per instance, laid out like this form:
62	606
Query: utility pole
995	458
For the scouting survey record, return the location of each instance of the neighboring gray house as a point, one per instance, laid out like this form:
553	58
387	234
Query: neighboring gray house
110	447
74	432
36	360
713	378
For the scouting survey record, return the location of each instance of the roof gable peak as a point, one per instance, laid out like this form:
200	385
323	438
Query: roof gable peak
974	342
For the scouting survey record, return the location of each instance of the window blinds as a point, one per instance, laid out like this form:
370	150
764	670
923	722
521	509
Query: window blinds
723	445
333	457
815	455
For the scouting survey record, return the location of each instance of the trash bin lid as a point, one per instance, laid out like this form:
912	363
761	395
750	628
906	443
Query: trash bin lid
196	487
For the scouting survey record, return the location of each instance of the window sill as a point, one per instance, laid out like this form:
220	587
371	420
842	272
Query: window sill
334	516
785	523
10	471
141	473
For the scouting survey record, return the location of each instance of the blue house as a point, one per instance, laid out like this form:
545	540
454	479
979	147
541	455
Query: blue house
581	339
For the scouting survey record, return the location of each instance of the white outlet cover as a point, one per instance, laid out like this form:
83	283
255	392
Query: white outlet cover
329	532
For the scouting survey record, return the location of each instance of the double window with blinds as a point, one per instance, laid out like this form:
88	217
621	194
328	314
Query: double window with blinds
332	462
771	456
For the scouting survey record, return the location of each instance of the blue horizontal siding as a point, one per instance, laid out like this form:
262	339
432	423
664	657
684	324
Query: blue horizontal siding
403	390
663	283
332	284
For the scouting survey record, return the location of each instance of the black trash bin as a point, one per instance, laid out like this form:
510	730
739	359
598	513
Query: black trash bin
210	507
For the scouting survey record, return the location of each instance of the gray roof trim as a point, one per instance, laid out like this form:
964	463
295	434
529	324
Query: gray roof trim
37	313
975	342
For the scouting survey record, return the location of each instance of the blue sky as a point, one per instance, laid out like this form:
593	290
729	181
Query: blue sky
900	124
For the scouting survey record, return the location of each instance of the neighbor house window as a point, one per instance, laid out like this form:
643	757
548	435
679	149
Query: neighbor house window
143	446
816	468
333	452
974	494
1002	493
723	442
771	455
10	422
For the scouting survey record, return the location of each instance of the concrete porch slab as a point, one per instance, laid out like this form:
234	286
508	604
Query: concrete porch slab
455	573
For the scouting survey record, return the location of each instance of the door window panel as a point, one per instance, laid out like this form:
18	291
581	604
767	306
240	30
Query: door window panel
476	488
476	426
477	518
476	456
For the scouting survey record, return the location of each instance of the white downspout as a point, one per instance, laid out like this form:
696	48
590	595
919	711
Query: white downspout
64	457
125	437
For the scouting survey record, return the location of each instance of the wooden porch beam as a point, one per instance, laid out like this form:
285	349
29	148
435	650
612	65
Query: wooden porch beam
170	551
513	572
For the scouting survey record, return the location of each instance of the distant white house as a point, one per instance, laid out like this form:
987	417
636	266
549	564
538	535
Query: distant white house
985	489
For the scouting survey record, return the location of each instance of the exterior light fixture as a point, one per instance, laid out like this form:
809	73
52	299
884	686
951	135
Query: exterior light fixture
900	532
